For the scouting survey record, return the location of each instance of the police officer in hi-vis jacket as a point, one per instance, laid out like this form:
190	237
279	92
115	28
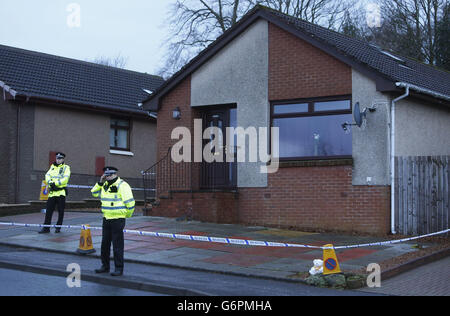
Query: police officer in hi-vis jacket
57	179
117	205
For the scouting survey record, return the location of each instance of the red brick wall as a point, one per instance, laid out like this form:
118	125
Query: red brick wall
216	207
180	97
314	199
299	70
305	198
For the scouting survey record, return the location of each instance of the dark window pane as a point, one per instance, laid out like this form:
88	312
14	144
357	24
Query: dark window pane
112	138
233	123
290	108
332	105
314	136
233	117
122	139
119	133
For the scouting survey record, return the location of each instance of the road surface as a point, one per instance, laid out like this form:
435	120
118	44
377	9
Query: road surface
19	283
155	278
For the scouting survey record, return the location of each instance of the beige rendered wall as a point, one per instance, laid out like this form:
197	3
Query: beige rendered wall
238	74
370	144
84	135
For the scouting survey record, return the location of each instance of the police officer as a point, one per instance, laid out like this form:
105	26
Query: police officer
117	205
57	178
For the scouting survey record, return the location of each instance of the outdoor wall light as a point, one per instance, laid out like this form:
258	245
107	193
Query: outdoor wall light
176	113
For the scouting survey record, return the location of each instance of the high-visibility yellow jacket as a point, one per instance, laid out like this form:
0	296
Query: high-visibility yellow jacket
117	199
59	175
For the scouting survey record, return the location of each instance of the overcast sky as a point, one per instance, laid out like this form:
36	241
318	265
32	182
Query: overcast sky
131	28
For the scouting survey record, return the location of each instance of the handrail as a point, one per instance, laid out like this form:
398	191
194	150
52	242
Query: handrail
165	176
168	151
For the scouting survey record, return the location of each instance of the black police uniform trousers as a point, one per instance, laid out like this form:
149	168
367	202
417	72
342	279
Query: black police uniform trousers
113	233
52	203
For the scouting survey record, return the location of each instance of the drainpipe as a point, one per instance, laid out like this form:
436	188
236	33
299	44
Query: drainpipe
16	191
393	156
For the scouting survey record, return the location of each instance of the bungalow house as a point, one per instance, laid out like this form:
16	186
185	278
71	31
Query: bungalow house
273	70
88	111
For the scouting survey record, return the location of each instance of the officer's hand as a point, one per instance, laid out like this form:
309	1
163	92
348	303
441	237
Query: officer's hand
52	186
102	179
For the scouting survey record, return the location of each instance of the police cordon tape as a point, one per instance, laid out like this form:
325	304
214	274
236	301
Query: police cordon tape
76	186
224	240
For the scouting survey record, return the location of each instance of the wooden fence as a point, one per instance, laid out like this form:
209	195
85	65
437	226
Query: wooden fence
422	194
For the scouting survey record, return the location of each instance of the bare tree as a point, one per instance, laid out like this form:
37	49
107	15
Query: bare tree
118	61
351	26
194	24
323	12
443	40
417	29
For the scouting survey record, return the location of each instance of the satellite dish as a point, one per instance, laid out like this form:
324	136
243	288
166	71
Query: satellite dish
358	115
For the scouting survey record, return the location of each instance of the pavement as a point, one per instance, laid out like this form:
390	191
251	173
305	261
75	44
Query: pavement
276	263
432	279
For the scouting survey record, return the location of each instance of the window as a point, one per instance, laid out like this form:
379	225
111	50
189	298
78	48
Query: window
291	108
119	135
312	129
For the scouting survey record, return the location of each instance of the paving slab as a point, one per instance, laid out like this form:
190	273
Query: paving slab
432	279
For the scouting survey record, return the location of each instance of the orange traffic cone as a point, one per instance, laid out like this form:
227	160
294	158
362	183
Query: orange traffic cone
86	246
44	191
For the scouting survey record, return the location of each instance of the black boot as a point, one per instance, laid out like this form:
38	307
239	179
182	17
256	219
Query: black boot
117	272
103	269
45	231
57	230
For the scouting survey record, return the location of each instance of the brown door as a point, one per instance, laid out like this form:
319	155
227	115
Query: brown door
218	174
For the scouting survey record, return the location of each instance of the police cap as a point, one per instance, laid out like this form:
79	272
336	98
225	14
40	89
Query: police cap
110	170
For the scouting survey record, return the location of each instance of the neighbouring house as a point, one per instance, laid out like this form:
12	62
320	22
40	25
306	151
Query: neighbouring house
273	70
88	111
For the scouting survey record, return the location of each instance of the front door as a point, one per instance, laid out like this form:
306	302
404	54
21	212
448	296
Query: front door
218	174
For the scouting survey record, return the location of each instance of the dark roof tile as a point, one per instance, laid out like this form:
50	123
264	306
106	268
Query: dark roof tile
395	67
47	76
386	64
